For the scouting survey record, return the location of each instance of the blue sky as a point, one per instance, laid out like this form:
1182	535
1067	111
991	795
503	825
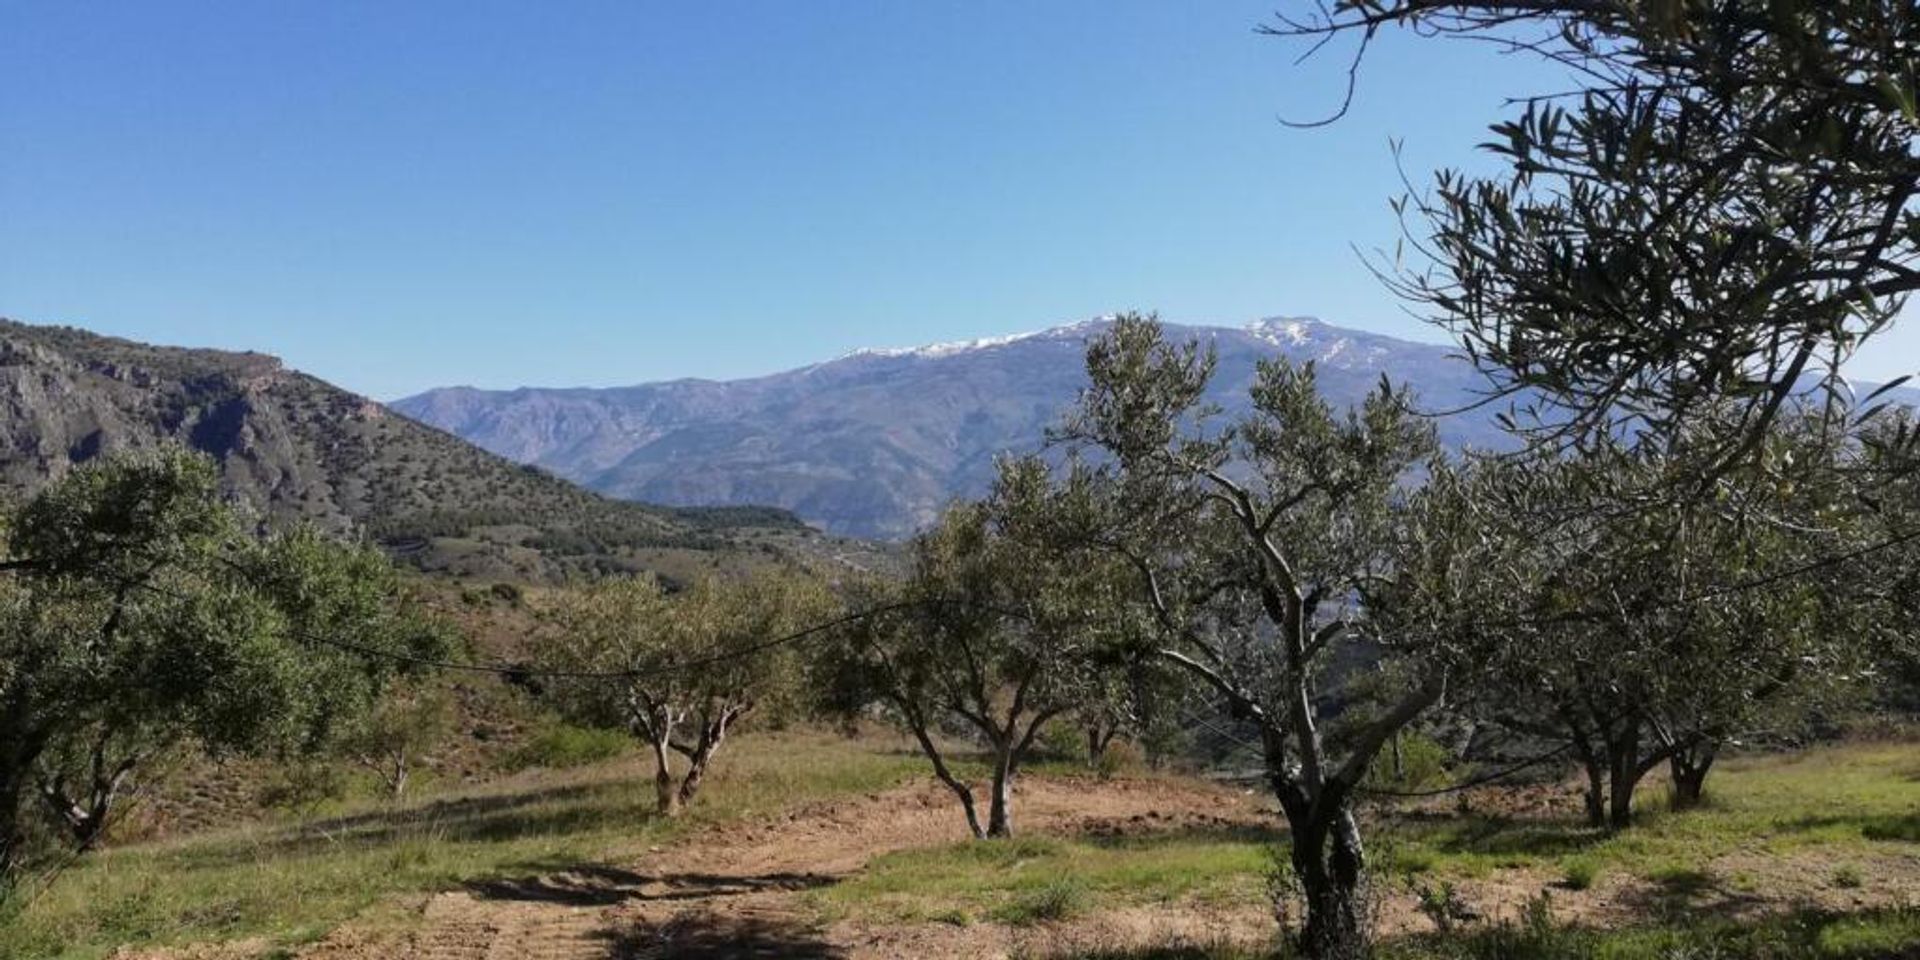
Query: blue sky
400	196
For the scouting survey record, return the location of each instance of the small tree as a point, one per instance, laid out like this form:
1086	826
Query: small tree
995	632
683	670
392	739
140	617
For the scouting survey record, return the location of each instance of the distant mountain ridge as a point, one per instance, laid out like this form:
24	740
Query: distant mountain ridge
874	443
293	447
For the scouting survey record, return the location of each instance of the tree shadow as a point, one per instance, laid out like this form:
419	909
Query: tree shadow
597	885
549	812
1133	835
707	936
1503	836
1689	893
1885	826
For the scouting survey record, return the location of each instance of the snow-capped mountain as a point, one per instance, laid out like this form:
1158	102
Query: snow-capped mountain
875	442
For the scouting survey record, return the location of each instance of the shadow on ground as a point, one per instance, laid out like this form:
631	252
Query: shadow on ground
599	886
554	811
705	936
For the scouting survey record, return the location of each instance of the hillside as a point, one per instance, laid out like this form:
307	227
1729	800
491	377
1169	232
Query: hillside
874	443
296	448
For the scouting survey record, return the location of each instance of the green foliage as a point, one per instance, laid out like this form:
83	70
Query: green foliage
1000	630
695	662
1709	217
142	617
393	737
1421	763
564	745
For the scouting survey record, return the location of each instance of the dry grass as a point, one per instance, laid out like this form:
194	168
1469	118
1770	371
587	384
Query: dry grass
289	882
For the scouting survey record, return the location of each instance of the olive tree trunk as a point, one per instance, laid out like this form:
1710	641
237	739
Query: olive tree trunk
666	795
1000	804
1689	768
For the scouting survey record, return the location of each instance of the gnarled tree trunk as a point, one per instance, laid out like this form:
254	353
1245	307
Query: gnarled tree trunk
666	795
712	733
1329	862
1689	768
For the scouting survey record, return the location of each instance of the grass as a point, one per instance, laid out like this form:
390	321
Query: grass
1838	800
1843	808
1838	805
290	882
1021	881
1578	873
1803	935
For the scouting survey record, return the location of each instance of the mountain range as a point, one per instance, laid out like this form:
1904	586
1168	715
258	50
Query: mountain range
874	443
293	447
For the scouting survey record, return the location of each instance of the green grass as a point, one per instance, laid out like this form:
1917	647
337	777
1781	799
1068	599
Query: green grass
291	882
1805	935
1838	800
1019	880
1840	807
1836	803
1578	873
563	746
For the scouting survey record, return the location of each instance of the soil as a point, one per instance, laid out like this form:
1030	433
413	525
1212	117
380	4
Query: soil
740	890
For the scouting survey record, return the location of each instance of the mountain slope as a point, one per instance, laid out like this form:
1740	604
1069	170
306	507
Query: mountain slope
294	447
874	443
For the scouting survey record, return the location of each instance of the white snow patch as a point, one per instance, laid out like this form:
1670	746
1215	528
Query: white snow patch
934	350
1283	331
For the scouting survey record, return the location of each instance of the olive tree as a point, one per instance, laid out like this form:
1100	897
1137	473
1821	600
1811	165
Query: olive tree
679	671
1717	207
1655	632
141	615
994	632
1267	551
390	740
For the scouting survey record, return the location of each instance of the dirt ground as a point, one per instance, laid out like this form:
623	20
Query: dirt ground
739	890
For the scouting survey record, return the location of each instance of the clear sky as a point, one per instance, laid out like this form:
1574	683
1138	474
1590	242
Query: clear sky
396	196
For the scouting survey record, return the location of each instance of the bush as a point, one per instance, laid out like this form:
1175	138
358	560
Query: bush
303	787
1423	765
564	745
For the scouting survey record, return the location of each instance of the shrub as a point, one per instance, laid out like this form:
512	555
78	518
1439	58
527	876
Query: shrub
565	745
1423	765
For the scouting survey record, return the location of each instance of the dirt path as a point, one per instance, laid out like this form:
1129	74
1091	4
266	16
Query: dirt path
739	890
734	890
